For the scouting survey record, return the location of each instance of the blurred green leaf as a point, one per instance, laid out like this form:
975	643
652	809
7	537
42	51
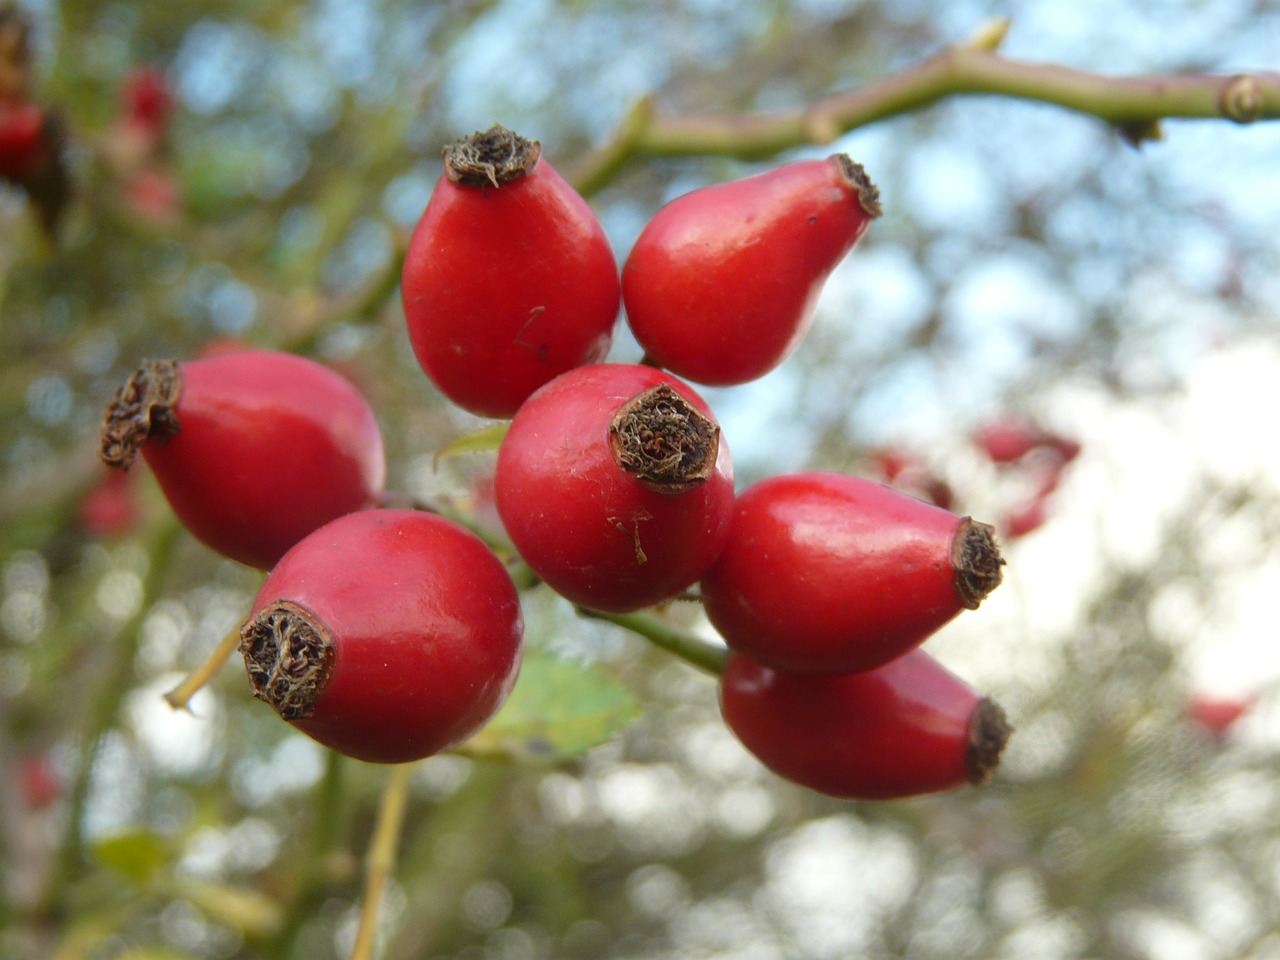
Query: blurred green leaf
252	912
557	710
138	856
155	953
483	441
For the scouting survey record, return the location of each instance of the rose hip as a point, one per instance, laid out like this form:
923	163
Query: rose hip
905	728
721	285
253	450
509	279
829	573
387	635
615	486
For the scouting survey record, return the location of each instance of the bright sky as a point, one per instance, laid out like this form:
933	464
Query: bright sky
1140	471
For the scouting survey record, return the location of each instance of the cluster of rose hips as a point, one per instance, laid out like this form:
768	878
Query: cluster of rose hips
392	634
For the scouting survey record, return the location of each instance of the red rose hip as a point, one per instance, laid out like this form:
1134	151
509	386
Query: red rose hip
905	728
253	450
721	284
387	635
828	573
615	486
509	279
23	141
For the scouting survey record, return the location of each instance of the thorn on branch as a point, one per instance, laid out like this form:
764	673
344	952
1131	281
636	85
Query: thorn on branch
989	36
1136	134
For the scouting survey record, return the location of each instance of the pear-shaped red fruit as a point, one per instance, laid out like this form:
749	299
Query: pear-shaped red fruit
722	283
907	727
253	450
509	280
829	573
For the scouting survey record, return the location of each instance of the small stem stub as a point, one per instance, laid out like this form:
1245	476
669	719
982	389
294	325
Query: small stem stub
1241	99
141	409
976	561
288	653
664	441
855	174
491	157
989	731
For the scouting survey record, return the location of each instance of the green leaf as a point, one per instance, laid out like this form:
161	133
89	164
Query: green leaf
557	710
483	441
138	856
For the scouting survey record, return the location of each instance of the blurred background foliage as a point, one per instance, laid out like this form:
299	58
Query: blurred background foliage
1030	265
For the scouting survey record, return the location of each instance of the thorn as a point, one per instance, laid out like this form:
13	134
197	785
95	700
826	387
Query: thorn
1136	134
989	35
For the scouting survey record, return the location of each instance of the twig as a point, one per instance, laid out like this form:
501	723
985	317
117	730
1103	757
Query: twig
180	696
1132	103
382	857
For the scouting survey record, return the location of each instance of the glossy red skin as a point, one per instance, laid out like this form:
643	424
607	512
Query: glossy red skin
721	285
828	573
896	731
22	145
507	287
575	515
426	627
271	447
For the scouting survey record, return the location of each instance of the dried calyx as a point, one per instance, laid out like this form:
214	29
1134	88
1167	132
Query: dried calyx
857	178
664	441
288	653
491	157
142	409
989	731
976	560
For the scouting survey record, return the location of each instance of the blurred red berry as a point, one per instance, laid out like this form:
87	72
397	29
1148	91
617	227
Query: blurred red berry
1025	519
110	507
1008	440
148	102
903	470
890	462
22	140
1065	448
153	194
39	783
1217	715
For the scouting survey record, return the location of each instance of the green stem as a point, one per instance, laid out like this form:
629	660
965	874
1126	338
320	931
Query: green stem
1133	102
684	644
